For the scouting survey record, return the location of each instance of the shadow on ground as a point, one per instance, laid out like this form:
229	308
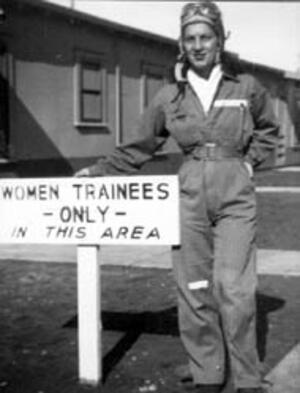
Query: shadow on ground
164	322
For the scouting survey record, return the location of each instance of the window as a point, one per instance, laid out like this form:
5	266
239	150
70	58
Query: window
90	91
153	78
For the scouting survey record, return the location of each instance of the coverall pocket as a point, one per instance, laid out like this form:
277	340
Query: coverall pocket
245	171
183	173
180	119
187	183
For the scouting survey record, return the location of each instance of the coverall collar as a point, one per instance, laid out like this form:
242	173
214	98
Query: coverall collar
181	73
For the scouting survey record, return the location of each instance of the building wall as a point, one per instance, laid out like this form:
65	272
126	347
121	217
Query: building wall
43	47
43	109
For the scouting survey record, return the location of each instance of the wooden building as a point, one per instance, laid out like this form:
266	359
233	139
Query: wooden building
72	87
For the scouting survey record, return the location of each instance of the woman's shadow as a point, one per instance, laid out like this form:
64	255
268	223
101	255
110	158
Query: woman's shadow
265	305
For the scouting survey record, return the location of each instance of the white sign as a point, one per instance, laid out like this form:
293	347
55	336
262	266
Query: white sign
103	210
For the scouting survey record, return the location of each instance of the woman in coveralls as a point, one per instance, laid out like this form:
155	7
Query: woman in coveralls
224	124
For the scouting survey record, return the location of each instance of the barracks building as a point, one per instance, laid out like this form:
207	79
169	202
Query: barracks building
72	87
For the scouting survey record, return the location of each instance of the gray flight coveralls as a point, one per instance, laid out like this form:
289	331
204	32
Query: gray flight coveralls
215	266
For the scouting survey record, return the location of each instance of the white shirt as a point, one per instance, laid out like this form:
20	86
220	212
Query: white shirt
205	88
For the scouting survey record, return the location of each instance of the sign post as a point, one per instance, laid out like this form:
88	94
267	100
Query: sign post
89	314
89	212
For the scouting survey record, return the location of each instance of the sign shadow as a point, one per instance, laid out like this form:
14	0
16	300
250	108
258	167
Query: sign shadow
161	322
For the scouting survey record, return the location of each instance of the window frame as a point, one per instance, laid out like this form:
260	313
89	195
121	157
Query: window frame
150	69
83	58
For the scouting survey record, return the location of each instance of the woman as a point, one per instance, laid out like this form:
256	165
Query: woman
224	124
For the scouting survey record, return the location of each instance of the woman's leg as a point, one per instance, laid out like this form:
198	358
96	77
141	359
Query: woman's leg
235	288
199	321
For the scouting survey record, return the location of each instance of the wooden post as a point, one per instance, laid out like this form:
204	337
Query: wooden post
89	314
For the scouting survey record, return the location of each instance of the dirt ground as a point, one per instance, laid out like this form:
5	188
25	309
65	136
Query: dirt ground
141	347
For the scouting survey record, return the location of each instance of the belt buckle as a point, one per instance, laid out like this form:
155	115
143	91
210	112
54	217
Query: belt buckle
210	149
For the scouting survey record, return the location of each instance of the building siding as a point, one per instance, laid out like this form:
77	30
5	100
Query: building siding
43	44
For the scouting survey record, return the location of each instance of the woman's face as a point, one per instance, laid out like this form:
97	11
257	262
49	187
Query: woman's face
201	46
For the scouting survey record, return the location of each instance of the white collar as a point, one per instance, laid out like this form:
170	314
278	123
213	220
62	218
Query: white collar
205	88
215	75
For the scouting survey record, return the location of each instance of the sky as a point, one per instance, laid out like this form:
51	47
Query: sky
267	32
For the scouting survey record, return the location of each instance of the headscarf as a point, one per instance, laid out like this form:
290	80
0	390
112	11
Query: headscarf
206	12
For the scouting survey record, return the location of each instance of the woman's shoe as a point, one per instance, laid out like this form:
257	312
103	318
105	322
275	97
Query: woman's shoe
183	372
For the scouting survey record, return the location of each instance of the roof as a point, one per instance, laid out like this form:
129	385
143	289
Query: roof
293	75
262	67
130	31
93	20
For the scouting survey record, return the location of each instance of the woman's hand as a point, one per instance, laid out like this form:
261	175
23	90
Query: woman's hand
84	172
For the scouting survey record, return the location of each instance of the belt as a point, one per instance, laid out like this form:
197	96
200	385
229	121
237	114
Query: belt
213	152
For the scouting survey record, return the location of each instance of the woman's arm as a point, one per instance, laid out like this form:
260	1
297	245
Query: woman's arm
265	135
149	135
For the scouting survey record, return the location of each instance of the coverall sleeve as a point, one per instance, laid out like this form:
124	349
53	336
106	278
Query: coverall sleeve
266	128
148	136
